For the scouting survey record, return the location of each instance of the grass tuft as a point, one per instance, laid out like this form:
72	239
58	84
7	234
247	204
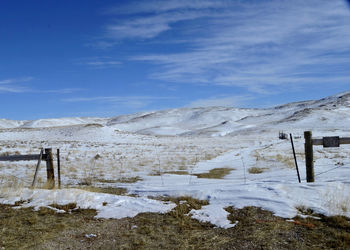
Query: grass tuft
179	172
216	173
121	180
105	190
256	170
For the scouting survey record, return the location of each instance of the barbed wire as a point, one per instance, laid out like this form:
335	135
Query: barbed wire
329	170
18	178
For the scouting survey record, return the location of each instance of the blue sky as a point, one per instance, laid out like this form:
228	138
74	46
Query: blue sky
105	58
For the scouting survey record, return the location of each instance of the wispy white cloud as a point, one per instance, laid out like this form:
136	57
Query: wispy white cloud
99	62
148	19
61	91
8	89
15	85
158	6
11	85
133	102
265	45
224	101
16	80
149	26
103	63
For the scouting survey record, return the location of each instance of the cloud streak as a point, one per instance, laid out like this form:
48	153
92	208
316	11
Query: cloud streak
262	45
148	19
10	85
134	102
150	26
223	101
16	80
98	62
159	6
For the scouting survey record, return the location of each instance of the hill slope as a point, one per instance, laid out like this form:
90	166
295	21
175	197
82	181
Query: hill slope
330	112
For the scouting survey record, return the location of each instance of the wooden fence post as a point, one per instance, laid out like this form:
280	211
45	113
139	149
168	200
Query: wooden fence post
59	168
37	167
49	168
309	157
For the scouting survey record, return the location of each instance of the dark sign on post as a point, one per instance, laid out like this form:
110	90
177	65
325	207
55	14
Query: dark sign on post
327	142
331	142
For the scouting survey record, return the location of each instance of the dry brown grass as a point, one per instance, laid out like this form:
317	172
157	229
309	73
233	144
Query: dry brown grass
256	170
25	229
106	190
216	173
256	229
179	172
261	229
120	180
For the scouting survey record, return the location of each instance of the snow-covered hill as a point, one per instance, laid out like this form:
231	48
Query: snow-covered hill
330	112
102	152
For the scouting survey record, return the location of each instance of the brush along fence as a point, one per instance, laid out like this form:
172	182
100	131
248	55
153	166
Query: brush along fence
326	142
45	155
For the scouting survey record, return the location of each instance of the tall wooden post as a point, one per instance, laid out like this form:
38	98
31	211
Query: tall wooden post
59	168
49	168
309	157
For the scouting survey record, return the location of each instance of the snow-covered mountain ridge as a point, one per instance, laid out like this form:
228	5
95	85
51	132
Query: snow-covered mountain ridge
329	112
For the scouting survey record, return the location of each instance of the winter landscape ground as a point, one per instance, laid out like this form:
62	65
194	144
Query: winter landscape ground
207	166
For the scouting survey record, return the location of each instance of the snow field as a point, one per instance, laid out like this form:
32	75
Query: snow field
167	152
112	156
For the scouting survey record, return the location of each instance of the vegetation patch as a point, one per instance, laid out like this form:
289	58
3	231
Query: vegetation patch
189	201
216	173
121	180
26	229
256	229
67	207
286	160
184	204
95	125
261	229
179	172
105	190
305	210
129	179
255	170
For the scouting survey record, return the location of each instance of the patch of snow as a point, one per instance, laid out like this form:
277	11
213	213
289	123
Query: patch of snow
215	214
107	205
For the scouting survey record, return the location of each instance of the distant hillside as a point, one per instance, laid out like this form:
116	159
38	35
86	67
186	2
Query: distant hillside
330	112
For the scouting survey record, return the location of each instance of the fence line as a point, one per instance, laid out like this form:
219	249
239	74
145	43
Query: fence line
329	170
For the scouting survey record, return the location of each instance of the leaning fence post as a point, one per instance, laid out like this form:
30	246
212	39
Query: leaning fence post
49	168
37	167
309	157
295	157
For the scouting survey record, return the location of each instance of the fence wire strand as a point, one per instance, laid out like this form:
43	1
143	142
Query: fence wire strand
329	170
